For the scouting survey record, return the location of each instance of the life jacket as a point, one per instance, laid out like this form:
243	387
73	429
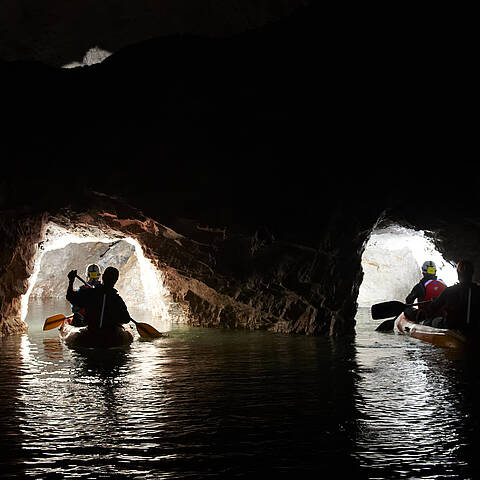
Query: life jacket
433	288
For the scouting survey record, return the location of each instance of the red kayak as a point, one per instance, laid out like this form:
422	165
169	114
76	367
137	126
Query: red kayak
437	336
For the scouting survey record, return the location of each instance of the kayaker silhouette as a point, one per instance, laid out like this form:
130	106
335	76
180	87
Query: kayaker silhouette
93	280
426	289
105	310
458	306
105	314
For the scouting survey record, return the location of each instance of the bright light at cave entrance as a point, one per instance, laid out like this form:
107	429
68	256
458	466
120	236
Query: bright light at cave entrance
392	263
141	284
152	281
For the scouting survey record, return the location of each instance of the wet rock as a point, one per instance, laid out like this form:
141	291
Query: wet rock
20	234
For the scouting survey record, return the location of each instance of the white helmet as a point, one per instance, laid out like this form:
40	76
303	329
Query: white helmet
429	268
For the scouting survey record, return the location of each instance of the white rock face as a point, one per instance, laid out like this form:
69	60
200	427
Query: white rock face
52	279
388	275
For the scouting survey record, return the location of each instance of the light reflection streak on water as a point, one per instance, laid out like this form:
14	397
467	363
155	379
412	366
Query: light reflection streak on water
90	396
412	411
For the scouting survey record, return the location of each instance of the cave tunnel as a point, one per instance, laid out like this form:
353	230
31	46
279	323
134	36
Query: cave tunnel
219	277
140	284
261	172
256	217
392	261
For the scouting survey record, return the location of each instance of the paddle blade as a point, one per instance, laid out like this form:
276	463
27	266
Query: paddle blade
54	321
387	309
147	331
386	326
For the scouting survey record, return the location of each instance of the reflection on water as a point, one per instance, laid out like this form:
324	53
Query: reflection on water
417	407
199	403
211	403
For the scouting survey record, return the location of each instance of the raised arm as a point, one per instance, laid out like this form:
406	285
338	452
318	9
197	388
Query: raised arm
75	298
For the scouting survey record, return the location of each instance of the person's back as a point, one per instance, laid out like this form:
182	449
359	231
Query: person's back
104	308
426	289
459	305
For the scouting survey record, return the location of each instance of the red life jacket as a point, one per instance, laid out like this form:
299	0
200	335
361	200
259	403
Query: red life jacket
433	288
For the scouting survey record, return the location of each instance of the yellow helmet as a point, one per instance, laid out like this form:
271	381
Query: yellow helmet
429	268
93	272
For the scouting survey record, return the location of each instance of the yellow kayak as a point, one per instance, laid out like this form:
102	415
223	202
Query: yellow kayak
84	338
437	336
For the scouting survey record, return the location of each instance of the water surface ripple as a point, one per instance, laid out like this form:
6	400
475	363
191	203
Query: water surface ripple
206	403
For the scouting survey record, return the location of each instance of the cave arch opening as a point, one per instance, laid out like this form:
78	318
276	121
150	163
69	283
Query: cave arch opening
392	261
140	283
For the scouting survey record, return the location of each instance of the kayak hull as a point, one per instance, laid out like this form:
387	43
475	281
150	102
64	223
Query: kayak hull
83	338
437	336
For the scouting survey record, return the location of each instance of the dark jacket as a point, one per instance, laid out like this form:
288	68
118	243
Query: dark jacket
115	311
78	319
452	304
418	291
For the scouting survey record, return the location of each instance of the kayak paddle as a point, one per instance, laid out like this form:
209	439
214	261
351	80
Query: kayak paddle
387	325
55	321
147	331
390	309
144	329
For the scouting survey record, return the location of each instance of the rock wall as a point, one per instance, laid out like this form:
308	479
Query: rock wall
222	278
20	234
251	167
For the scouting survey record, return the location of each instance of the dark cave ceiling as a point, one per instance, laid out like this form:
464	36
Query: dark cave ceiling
57	33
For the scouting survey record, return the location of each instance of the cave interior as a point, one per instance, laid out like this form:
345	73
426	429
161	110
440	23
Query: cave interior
251	170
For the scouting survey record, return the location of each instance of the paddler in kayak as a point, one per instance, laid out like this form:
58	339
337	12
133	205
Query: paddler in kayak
458	307
93	280
426	289
105	310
